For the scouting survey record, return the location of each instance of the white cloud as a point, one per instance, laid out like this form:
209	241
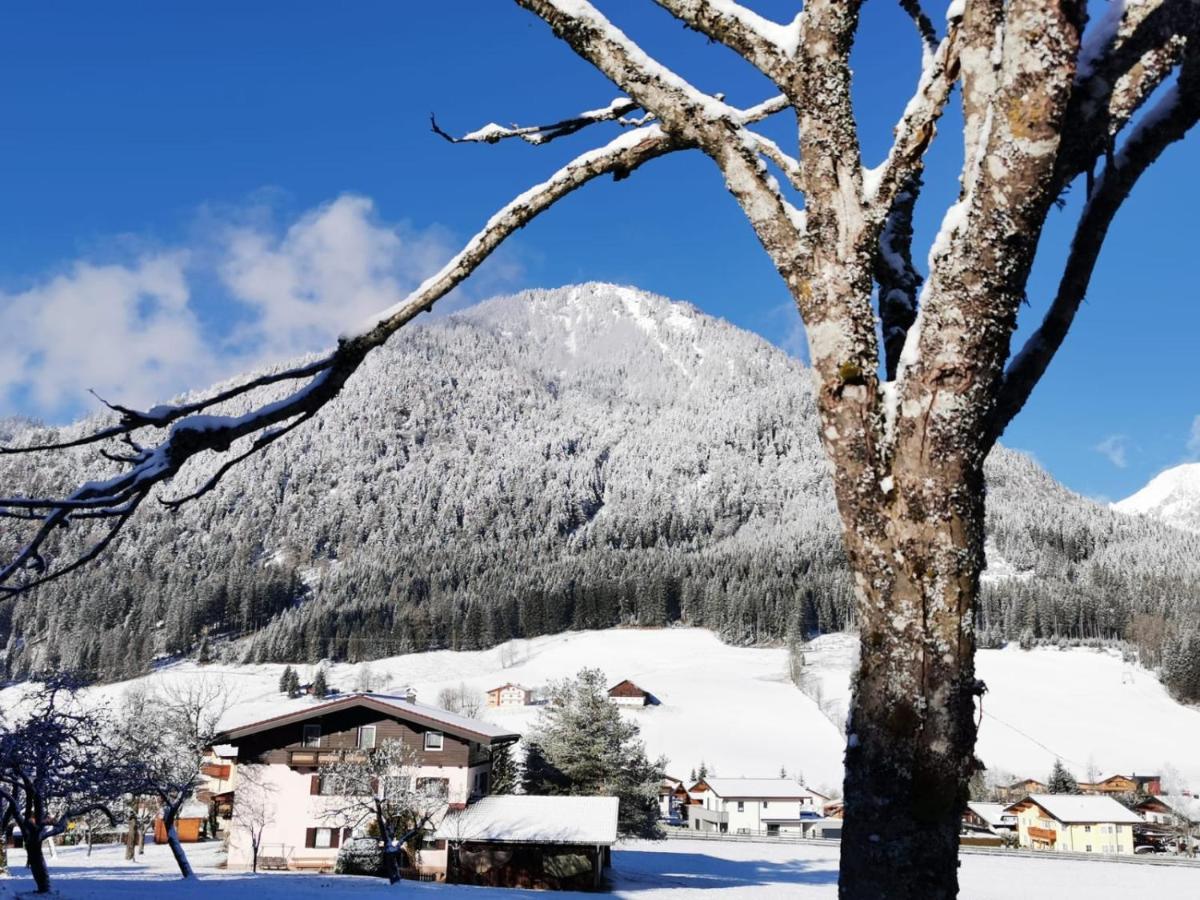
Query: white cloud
1115	448
126	331
327	272
132	331
1193	443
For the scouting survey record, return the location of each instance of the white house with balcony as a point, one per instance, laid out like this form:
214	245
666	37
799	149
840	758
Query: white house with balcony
761	806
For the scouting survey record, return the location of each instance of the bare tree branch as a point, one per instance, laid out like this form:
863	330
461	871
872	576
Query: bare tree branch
1167	122
191	433
1125	56
768	46
542	134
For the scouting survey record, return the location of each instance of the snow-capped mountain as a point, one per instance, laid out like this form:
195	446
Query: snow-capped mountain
562	459
1172	496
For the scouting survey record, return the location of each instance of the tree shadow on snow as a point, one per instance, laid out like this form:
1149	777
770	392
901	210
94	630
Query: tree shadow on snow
648	870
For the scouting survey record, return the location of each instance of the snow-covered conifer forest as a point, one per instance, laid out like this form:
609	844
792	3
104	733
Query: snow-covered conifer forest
584	457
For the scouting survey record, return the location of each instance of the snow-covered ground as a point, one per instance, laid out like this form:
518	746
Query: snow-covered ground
735	709
667	870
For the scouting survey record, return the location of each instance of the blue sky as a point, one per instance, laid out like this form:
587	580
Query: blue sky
190	188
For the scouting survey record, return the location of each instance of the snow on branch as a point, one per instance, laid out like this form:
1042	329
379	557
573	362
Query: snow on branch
189	431
769	46
543	134
1125	56
1174	114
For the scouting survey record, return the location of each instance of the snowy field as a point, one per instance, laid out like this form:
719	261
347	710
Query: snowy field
735	708
669	870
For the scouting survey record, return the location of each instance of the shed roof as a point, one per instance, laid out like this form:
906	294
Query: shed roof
400	707
1070	808
530	819
627	688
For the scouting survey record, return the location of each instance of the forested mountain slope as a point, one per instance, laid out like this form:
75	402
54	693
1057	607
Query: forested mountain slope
576	458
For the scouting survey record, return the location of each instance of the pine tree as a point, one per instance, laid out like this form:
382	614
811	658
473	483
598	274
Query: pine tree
1062	781
320	685
285	680
506	773
293	688
583	746
703	772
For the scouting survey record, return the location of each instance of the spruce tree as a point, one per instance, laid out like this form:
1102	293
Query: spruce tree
320	685
1062	781
285	680
583	746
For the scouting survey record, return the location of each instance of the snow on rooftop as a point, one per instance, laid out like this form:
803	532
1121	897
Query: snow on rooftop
770	788
992	813
403	707
528	819
1084	808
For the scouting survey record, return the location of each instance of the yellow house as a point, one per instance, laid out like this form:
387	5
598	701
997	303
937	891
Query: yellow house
1074	823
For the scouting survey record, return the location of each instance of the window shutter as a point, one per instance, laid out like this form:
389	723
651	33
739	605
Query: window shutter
374	785
314	786
310	837
334	835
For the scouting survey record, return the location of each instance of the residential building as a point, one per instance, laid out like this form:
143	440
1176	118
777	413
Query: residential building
452	755
1019	789
672	797
1074	823
1170	810
626	693
993	817
557	843
767	806
1124	784
509	695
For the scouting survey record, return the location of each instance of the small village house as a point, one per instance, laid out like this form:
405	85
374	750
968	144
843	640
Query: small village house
992	817
1074	823
761	806
556	843
626	693
672	797
509	695
1011	793
1171	810
453	755
1124	784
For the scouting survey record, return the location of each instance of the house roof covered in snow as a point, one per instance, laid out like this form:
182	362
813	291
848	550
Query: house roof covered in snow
766	788
1080	808
529	819
400	707
992	813
1189	807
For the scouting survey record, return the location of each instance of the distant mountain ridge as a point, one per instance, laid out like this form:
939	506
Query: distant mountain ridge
1172	496
583	457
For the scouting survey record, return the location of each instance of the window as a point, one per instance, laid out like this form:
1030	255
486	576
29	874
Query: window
433	787
395	785
433	740
1087	827
312	736
366	737
765	804
741	806
323	837
1089	848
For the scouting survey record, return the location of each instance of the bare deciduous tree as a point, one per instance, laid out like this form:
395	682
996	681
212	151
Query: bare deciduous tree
254	807
380	786
908	419
461	700
57	765
169	730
